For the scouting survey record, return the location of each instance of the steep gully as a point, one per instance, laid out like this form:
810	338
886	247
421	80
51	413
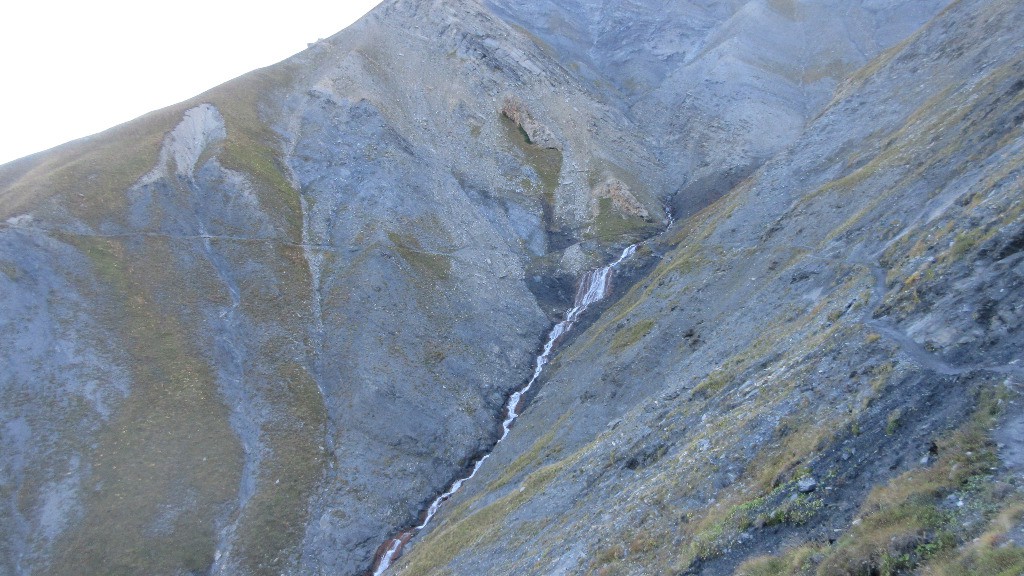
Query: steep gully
593	287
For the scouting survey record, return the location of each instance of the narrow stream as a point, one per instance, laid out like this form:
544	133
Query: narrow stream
594	286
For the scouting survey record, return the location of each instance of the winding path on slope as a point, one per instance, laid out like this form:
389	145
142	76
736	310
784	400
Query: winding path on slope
918	353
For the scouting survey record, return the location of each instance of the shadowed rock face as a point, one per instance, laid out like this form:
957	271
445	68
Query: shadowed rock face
259	331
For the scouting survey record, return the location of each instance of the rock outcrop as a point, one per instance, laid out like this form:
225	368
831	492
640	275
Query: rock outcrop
621	198
536	133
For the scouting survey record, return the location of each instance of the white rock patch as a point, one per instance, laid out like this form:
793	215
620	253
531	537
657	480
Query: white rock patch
200	127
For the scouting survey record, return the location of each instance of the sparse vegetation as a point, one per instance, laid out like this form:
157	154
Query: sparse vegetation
545	162
91	177
991	553
476	529
145	463
252	146
880	376
741	397
611	225
907	523
797	442
892	422
712	383
275	517
631	335
798	561
964	242
430	265
527	459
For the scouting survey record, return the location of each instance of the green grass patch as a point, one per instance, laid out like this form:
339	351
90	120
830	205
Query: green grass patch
964	243
991	553
272	525
796	443
252	146
528	458
274	520
546	162
631	335
712	384
106	257
90	176
10	270
794	561
167	463
478	529
892	421
612	226
426	264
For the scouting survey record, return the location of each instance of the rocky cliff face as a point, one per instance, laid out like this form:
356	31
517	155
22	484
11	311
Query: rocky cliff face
716	87
258	332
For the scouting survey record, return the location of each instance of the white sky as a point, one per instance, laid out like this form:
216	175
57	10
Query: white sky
73	68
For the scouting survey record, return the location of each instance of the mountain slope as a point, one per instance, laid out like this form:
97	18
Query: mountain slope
259	331
817	339
717	87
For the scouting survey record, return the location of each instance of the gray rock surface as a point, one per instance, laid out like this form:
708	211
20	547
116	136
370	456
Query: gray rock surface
806	485
259	331
827	318
717	87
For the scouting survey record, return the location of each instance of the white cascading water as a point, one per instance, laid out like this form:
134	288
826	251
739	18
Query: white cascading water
594	286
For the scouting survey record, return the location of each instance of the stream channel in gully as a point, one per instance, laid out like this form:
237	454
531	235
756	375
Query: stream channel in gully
593	287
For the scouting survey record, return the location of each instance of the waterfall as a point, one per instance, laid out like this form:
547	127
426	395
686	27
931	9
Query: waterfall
593	287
